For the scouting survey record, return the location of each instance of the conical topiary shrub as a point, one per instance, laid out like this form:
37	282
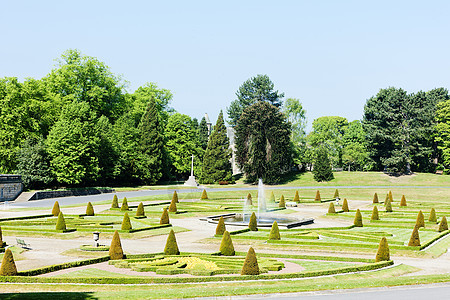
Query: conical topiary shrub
171	245
336	194
443	226
274	232
345	205
8	267
252	224
115	202
173	206
140	210
1	238
331	209
375	214
250	266
390	196
164	217
272	196
204	195
89	209
56	210
282	203
386	199
383	251
124	206
420	221
388	205
126	223
403	201
175	196
220	229
317	198
432	217
375	198
249	201
61	223
226	246
296	197
358	219
414	241
115	250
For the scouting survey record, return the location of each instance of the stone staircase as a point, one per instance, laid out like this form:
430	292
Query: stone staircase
24	197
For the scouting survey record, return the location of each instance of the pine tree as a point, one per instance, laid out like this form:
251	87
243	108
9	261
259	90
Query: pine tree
296	197
124	206
89	209
226	246
282	202
317	198
388	205
331	209
390	196
115	250
358	219
204	195
249	200
173	206
61	223
250	266
383	251
432	217
171	245
420	221
414	241
443	226
216	160
56	210
274	232
322	166
140	210
8	267
336	194
126	223
375	198
375	214
272	196
220	229
252	224
203	133
345	206
115	202
403	201
164	217
175	197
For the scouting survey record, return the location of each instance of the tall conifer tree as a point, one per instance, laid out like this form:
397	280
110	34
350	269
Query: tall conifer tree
322	167
203	133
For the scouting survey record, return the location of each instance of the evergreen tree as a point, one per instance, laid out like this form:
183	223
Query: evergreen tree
282	202
391	198
317	198
345	206
173	206
250	266
383	251
1	238
252	224
375	214
272	196
296	197
56	210
164	217
420	221
249	201
115	250
375	198
204	195
432	217
216	160
175	197
358	219
203	133
274	232
89	209
336	194
115	202
226	245
403	201
140	210
322	166
220	229
171	247
126	223
388	205
414	240
60	223
331	209
8	267
124	206
443	225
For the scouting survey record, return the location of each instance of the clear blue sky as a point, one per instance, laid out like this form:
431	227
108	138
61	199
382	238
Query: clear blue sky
332	55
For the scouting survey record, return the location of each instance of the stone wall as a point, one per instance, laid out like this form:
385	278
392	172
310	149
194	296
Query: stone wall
10	187
68	193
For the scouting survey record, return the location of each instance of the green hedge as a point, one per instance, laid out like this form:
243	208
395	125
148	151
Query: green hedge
357	238
331	244
428	243
239	231
68	265
26	217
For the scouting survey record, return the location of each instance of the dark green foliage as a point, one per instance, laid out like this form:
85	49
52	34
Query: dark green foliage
322	166
164	217
375	214
173	206
282	202
56	210
171	247
249	201
204	195
175	197
60	223
403	201
331	209
115	202
414	241
124	206
115	250
420	221
140	210
252	224
126	223
358	219
220	229
263	148
336	194
383	251
296	197
432	217
443	224
250	266
8	267
226	246
216	160
375	198
345	206
89	209
272	196
443	132
274	232
317	198
388	205
203	133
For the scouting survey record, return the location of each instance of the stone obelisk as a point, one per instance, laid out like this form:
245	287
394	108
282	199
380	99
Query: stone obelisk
191	180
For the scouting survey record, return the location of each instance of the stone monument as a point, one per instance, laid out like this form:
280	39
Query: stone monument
191	180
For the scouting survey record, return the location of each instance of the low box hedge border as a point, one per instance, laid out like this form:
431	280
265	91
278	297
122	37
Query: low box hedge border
26	217
428	243
58	267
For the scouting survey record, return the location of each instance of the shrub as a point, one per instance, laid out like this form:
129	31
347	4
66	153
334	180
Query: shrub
89	209
249	200
124	206
443	224
420	221
115	250
250	266
175	197
414	241
345	205
432	217
296	197
220	229
282	203
390	196
8	267
317	198
388	205
336	194
204	195
140	210
375	214
403	201
386	199
274	232
226	246
375	198
383	251
272	196
56	210
164	217
171	245
115	202
126	223
173	206
61	223
252	224
331	209
358	219
1	237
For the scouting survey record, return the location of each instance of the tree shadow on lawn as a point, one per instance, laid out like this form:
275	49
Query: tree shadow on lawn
49	295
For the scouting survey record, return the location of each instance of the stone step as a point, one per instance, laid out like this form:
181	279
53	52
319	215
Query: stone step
24	197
